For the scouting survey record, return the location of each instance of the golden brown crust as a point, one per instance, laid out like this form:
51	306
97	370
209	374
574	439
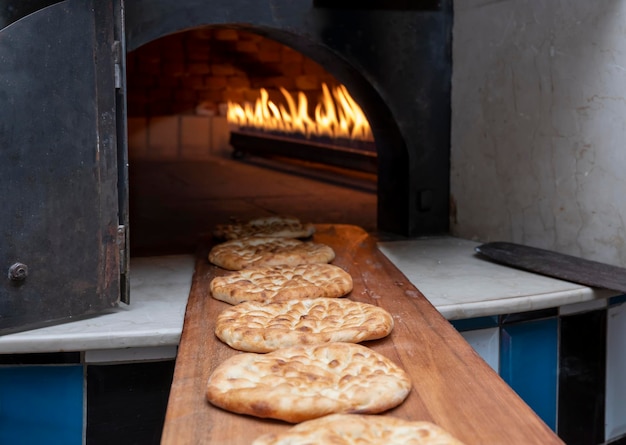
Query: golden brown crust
265	327
274	226
281	283
305	382
246	252
353	429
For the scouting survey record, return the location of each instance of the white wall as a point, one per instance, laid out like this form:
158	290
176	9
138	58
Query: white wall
539	124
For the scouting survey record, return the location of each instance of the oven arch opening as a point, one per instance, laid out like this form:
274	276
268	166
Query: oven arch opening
180	89
378	55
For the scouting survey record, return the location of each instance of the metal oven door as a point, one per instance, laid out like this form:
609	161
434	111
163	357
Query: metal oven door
63	173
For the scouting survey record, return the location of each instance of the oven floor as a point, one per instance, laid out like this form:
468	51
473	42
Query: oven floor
174	205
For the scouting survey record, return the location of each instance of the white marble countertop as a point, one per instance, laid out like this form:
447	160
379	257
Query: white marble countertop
462	285
159	288
446	270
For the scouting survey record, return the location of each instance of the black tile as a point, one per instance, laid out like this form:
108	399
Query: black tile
126	403
470	324
582	368
48	358
617	300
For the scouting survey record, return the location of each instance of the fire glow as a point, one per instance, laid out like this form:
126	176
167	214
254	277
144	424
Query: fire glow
336	115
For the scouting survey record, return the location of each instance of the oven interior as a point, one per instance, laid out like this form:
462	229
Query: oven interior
187	171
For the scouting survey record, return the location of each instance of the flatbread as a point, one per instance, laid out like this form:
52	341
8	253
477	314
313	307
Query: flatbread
261	251
275	226
358	429
305	382
281	283
265	327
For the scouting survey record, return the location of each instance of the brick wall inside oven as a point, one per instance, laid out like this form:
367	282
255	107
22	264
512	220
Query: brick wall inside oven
178	87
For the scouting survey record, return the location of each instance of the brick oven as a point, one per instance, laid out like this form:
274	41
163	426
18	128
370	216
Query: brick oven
79	84
179	86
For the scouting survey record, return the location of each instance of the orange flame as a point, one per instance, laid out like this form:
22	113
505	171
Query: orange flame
336	115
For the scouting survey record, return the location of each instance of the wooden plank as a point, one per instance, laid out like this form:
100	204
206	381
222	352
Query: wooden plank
452	385
558	265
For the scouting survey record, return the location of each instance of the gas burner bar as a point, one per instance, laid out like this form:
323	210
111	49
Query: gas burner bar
263	145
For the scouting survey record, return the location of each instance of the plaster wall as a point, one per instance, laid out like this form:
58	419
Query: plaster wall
539	124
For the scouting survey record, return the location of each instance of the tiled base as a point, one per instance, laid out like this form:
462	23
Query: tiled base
567	363
73	404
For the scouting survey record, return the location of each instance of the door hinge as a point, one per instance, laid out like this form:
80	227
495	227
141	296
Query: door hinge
116	49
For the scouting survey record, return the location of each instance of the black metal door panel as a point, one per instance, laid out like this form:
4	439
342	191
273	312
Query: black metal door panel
60	218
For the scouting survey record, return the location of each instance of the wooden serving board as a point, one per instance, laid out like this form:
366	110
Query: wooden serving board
452	386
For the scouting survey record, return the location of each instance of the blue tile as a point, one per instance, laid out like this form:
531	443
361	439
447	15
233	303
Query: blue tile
41	405
528	363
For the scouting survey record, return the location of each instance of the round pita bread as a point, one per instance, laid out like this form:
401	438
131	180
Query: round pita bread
358	429
260	251
281	283
264	327
305	382
275	226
